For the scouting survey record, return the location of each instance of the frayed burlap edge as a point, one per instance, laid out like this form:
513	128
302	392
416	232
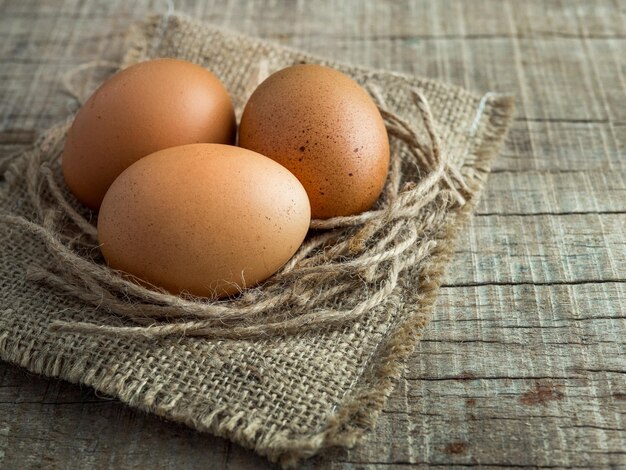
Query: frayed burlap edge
360	413
361	409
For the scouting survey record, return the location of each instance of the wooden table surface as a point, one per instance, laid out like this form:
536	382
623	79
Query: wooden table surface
524	363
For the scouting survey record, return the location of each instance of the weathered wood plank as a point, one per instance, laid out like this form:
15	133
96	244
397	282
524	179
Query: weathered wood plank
526	331
563	146
534	192
541	249
607	71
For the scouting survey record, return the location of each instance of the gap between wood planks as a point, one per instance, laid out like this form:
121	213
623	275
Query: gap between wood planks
442	37
568	121
461	464
462	378
537	214
505	418
537	283
547	171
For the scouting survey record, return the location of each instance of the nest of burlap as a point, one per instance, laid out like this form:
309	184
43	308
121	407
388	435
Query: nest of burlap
300	363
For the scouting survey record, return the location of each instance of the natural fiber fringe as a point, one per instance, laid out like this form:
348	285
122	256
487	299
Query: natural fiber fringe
335	277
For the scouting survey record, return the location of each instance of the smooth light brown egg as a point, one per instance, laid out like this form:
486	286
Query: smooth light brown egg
206	219
325	128
147	107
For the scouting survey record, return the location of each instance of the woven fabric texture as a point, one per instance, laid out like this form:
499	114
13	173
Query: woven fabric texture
286	396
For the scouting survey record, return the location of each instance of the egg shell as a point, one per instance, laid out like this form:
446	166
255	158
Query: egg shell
325	128
147	107
206	219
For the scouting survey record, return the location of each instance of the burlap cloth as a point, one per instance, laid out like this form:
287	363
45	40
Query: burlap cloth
285	396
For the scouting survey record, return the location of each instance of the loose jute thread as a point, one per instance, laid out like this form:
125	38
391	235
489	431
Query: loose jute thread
345	268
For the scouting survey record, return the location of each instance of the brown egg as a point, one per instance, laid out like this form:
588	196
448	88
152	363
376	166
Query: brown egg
325	128
147	107
206	219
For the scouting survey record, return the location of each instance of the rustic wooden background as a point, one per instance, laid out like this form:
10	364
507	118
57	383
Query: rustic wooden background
524	363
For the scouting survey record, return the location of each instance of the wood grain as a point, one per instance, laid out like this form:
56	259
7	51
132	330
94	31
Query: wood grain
523	364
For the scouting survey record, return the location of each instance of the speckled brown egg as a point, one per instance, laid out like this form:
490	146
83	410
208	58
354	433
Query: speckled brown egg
325	128
206	219
147	107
